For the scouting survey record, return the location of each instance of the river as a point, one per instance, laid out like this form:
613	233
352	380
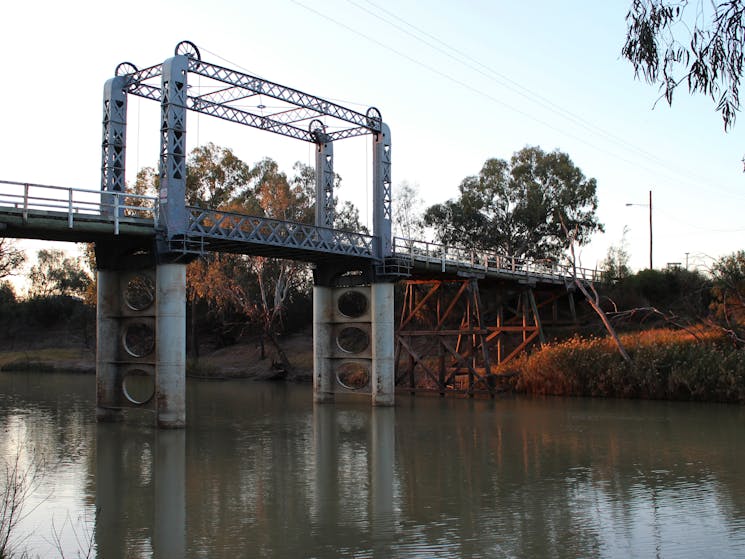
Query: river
262	472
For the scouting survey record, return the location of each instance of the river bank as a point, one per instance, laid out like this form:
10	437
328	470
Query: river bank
243	360
666	364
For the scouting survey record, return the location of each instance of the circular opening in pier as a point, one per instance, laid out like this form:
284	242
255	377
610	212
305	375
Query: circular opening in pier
140	292
352	304
139	339
353	376
139	386
353	340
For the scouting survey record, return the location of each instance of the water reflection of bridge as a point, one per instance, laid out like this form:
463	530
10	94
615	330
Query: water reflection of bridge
143	244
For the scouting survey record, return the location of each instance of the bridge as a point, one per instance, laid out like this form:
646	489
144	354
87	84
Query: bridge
143	244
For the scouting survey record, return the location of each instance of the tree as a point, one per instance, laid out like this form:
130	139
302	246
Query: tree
11	257
616	264
517	207
728	293
252	292
146	184
709	59
407	218
57	274
214	176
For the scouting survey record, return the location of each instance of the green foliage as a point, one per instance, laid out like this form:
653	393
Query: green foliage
677	291
517	207
665	365
215	175
616	264
238	294
40	321
703	48
728	304
57	274
407	218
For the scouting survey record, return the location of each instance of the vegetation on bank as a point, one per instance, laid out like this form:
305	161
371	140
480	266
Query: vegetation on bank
665	364
250	316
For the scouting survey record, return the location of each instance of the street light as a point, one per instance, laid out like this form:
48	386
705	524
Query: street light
650	225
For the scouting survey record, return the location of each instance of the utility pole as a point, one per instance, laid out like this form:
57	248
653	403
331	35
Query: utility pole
650	230
649	205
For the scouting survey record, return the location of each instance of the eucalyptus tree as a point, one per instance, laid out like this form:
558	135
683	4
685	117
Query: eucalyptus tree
700	45
520	207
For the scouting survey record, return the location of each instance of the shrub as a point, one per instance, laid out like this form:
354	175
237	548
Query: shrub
666	364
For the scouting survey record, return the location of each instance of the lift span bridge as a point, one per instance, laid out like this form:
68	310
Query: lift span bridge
144	243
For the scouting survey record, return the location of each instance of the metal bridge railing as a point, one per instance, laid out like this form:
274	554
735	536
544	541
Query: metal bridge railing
38	200
235	227
30	200
460	258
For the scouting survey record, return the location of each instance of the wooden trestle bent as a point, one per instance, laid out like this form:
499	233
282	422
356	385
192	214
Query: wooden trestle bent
456	336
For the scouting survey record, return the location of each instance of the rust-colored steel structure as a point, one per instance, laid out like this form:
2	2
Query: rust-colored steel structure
459	335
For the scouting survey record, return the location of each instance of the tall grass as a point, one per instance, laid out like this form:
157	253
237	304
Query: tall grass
666	364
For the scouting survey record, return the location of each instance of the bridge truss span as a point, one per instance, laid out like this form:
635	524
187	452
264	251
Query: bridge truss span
295	105
222	231
236	96
427	257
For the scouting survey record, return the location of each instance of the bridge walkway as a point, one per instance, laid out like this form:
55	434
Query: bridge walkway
35	211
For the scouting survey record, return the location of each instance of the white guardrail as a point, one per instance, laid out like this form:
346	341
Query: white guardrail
444	256
38	200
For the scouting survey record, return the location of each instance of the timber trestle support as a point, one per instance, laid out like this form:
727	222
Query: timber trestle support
459	335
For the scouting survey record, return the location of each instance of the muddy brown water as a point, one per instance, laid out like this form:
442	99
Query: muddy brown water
262	472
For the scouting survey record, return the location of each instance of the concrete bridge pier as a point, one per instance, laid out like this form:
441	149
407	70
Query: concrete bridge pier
383	334
353	336
108	381
323	374
141	337
170	331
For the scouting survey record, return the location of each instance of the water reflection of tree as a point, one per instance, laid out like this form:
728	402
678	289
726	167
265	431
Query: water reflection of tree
515	477
556	475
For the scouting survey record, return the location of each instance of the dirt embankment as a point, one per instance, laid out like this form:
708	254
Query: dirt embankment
243	360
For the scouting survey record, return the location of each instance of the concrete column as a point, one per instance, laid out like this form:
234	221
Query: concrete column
323	378
170	337
169	536
107	346
383	380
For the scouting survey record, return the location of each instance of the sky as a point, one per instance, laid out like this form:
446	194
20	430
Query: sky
456	82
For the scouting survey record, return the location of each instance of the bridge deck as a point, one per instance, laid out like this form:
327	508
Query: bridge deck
64	214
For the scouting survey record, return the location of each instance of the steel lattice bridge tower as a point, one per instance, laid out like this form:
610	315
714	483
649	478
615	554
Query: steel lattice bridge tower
143	245
183	231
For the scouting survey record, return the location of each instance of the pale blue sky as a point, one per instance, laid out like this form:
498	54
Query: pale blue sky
457	82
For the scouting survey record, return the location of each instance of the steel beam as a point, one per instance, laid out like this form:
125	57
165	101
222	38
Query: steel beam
324	182
173	146
382	213
113	145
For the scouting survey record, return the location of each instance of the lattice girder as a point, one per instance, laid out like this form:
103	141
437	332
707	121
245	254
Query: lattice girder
113	145
382	192
217	225
173	145
291	108
324	182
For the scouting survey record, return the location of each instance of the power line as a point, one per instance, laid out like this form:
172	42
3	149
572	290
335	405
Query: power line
525	92
528	94
450	78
